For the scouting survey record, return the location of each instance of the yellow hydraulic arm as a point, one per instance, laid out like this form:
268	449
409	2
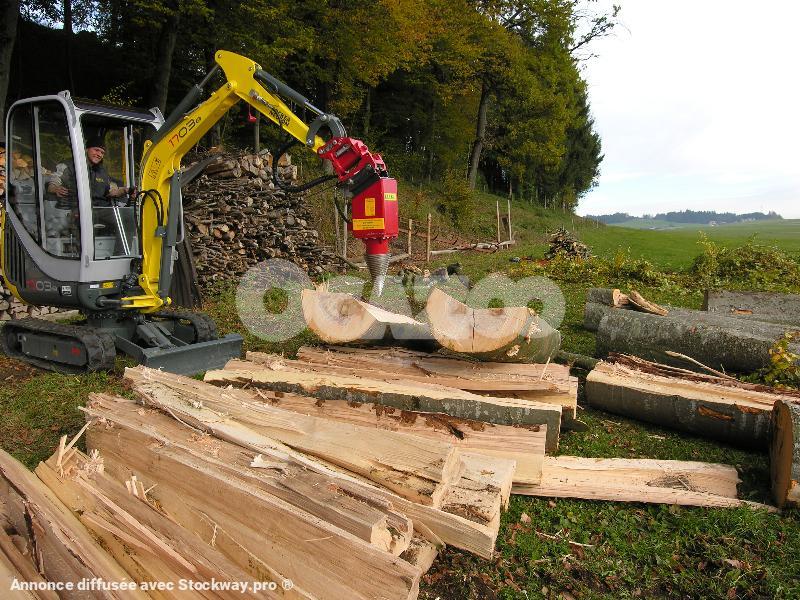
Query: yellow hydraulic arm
160	168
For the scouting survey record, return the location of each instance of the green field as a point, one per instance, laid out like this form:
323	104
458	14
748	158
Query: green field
568	548
676	249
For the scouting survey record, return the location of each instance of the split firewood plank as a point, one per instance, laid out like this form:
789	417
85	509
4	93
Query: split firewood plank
8	575
65	551
643	304
421	553
639	480
420	470
706	405
413	396
367	516
414	362
483	490
150	546
21	565
563	393
280	535
510	334
436	525
784	453
522	444
772	307
340	318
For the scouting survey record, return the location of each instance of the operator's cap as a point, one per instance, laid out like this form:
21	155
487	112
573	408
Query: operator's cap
96	142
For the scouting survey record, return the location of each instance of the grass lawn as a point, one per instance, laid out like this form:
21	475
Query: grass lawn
568	548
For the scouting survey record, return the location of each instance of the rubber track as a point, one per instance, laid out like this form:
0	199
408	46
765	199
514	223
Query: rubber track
204	328
100	350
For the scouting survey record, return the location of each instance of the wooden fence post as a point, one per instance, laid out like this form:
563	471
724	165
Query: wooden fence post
428	241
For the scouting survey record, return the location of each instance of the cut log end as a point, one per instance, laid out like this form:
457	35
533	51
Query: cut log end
511	334
785	453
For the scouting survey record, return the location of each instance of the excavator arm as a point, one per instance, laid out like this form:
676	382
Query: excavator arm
361	175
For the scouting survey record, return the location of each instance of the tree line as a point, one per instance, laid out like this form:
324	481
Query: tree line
688	216
488	91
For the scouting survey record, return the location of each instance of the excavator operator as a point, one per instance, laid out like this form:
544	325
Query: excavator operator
104	189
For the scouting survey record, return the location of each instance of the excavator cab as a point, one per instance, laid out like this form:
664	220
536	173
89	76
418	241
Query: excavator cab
71	239
63	240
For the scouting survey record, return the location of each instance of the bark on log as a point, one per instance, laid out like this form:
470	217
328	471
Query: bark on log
722	343
511	334
523	445
416	397
771	307
784	453
340	318
552	385
704	405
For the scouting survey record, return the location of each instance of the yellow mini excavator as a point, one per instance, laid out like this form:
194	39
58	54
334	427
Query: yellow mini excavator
103	239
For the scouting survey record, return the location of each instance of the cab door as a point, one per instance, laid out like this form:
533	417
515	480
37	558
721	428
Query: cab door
42	234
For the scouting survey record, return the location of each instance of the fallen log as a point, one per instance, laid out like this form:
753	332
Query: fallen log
772	307
511	334
340	318
417	397
559	388
706	405
420	470
259	530
722	343
639	480
784	453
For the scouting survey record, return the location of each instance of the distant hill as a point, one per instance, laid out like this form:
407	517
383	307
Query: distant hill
683	218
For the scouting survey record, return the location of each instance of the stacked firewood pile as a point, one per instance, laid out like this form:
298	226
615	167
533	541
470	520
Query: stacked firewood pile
236	217
564	243
2	170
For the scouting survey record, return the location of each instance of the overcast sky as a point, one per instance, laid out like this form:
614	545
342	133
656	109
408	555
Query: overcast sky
698	106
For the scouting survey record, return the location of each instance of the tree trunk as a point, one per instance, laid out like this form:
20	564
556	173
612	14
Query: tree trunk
163	64
705	405
771	307
9	9
480	133
67	31
367	112
722	343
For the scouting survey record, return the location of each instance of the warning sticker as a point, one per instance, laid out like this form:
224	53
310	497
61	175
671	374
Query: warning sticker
390	196
369	207
365	224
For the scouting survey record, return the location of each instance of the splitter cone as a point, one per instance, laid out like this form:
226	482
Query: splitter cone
378	265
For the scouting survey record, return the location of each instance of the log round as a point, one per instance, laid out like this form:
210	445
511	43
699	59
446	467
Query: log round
340	318
784	453
511	334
